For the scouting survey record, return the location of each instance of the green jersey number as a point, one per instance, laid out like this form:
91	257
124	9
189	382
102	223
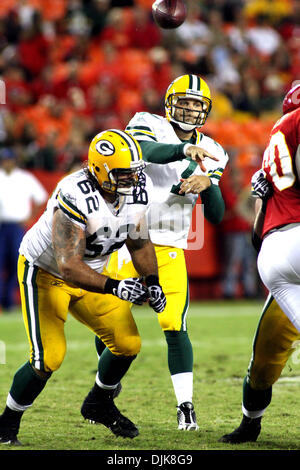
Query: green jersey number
185	174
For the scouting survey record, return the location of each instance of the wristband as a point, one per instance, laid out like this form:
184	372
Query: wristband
186	146
111	285
152	280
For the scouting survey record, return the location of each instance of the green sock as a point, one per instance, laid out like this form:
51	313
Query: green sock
27	385
180	352
112	368
255	400
100	346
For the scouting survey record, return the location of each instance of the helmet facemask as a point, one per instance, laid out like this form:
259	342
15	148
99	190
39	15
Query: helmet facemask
187	119
128	182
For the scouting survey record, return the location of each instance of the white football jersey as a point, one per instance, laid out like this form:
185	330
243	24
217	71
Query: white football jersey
170	213
106	226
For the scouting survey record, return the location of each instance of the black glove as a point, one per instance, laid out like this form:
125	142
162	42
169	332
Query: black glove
260	186
130	289
157	299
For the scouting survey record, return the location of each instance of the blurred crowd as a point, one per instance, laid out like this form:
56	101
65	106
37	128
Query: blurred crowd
72	68
75	67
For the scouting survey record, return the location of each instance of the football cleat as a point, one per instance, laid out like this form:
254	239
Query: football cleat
116	393
186	417
9	431
248	431
104	411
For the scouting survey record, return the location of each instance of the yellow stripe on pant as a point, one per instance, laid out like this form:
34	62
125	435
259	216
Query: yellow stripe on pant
172	277
46	301
273	344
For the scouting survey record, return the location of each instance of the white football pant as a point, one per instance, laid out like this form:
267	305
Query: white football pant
279	268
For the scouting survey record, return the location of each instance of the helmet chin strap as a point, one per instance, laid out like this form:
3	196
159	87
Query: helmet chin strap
125	191
184	127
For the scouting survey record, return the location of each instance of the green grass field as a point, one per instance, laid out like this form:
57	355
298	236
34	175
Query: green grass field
221	333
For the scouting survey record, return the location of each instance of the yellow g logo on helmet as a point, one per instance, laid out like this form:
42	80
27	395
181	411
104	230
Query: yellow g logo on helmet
115	161
105	147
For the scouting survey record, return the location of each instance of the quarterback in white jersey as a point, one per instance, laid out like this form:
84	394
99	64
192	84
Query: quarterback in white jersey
182	163
170	212
91	213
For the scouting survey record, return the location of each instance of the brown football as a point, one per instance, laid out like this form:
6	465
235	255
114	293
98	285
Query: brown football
169	14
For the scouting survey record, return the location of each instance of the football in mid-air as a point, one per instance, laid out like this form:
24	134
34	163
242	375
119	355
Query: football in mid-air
169	14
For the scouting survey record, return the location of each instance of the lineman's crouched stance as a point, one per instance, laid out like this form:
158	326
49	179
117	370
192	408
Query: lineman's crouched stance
92	213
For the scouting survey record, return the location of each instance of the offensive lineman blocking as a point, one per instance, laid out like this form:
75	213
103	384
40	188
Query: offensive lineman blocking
92	212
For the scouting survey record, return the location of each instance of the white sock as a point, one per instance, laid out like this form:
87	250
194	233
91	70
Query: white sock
101	385
13	405
183	386
253	414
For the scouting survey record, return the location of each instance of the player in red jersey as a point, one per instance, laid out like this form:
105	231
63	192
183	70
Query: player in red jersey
279	258
276	236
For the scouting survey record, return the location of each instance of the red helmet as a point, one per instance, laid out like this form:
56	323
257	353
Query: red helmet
291	100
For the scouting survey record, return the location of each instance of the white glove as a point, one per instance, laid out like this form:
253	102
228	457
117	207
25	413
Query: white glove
157	299
260	186
130	289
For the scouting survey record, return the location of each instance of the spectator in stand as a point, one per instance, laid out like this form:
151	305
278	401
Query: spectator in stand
18	92
78	23
26	13
245	95
7	123
21	198
115	30
264	37
273	10
109	64
12	27
194	41
45	157
56	119
33	48
161	70
194	33
44	84
102	100
290	33
238	33
290	26
240	257
142	31
152	101
27	146
96	12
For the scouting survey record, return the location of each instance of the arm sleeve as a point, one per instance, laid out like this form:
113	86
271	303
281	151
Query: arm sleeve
155	152
213	202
